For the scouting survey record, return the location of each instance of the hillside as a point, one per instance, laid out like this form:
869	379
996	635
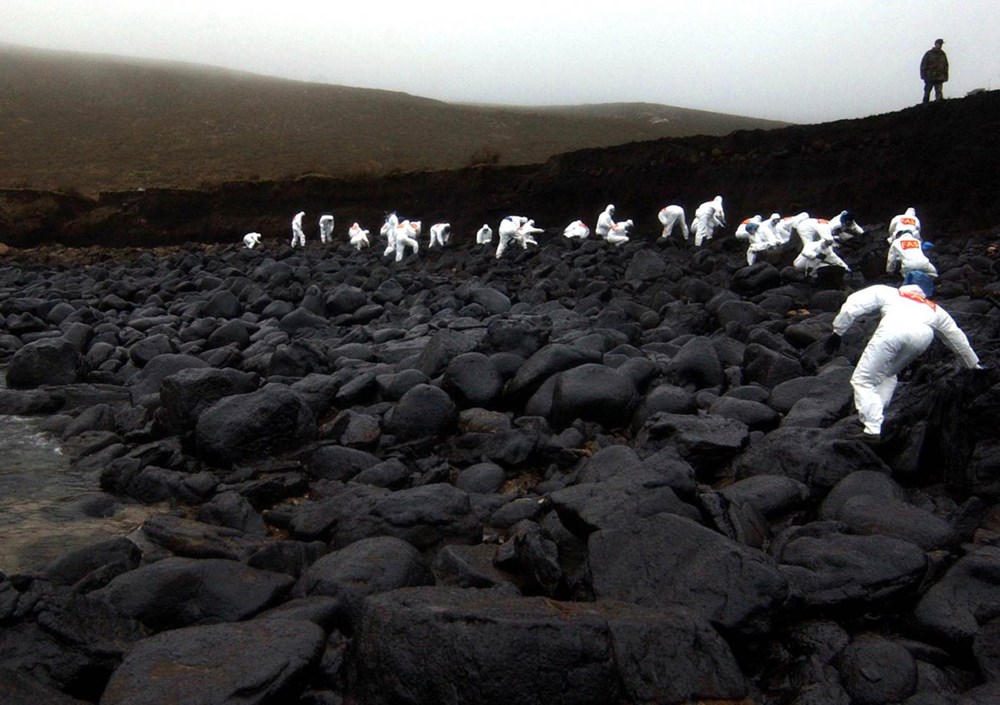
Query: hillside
92	123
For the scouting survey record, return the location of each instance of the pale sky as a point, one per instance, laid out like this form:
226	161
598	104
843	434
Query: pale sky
795	60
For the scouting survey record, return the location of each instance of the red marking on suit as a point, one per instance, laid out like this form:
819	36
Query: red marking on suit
919	298
909	244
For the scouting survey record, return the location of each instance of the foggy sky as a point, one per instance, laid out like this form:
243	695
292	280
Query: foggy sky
794	60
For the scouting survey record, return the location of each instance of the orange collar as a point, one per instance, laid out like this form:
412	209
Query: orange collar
919	298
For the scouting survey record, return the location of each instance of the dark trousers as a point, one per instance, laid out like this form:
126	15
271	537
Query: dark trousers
938	87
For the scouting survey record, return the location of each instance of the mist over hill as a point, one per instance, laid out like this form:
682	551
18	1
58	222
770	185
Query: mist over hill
90	123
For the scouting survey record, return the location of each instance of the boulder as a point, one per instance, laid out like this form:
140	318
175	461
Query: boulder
248	426
257	662
671	560
448	645
49	361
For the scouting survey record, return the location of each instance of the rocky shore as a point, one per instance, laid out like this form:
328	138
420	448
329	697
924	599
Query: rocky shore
579	474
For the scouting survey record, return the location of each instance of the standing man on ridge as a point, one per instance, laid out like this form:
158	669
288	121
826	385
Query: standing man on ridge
934	71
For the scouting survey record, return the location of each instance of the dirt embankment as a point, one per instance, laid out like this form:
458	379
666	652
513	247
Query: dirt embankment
938	158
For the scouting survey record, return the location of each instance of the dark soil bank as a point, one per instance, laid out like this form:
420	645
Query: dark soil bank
576	474
941	159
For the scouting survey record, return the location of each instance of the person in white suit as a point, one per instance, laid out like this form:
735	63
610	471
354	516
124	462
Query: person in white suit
906	254
326	228
670	217
251	240
907	220
484	235
358	237
709	216
440	234
910	320
577	229
298	236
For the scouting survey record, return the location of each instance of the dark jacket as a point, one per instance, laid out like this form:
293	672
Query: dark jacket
934	65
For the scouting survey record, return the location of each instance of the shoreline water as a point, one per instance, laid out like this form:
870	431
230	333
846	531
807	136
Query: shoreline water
47	507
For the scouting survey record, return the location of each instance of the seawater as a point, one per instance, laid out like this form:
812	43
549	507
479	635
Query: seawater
46	505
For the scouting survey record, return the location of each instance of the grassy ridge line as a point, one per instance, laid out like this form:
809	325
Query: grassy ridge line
72	121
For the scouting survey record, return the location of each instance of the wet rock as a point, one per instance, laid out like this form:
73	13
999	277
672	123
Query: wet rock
814	457
186	394
472	380
687	561
422	412
473	643
966	597
592	392
876	670
365	567
259	661
829	569
261	423
53	361
178	592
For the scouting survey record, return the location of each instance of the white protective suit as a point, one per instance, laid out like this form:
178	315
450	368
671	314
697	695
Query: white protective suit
745	233
844	227
904	221
841	227
707	218
358	237
605	221
519	229
388	231
485	235
620	232
325	228
251	240
909	322
407	233
821	253
906	254
577	229
440	234
298	237
670	217
788	225
763	237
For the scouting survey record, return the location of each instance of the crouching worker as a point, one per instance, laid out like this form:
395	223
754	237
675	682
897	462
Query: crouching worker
251	240
910	319
358	237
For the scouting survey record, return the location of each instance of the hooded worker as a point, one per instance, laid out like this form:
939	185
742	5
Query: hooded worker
910	320
326	228
358	237
817	254
743	230
251	240
844	226
605	221
906	254
440	234
298	237
841	227
577	229
707	218
484	235
516	228
762	236
620	232
789	225
904	221
670	217
407	234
